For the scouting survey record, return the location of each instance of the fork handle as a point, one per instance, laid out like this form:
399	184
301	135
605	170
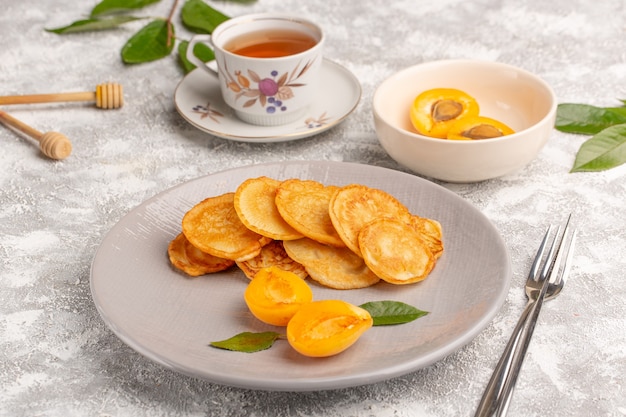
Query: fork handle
492	398
518	356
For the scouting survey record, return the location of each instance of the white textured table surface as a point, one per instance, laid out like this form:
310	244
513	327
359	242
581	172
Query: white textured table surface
57	357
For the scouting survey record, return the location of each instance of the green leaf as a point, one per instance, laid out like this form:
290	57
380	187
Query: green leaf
386	313
586	119
248	342
117	6
87	25
150	43
201	50
603	151
620	110
199	17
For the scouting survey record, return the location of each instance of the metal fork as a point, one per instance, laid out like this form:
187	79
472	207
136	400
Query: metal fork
543	283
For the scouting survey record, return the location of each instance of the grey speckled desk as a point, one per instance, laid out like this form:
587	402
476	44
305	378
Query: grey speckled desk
59	359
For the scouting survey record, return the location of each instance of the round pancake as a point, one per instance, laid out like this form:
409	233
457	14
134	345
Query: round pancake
191	260
330	266
272	254
395	251
256	208
214	227
353	206
304	205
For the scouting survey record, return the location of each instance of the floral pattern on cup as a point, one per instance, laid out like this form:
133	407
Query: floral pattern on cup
271	92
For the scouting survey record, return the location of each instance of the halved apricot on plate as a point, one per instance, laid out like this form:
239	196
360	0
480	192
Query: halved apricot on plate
275	295
327	327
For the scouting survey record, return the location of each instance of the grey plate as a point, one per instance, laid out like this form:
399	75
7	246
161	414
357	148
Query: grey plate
171	319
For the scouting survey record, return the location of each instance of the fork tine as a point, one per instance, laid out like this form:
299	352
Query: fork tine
569	256
534	269
563	252
550	259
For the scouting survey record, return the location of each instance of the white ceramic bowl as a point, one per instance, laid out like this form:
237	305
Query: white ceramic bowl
514	96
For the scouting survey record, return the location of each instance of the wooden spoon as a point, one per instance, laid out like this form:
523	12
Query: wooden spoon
54	145
106	96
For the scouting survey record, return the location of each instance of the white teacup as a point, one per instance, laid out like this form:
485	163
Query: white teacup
268	65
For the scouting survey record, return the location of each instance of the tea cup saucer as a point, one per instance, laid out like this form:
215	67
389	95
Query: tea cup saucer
199	101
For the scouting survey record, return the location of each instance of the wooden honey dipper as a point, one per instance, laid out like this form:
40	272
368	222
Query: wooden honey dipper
106	96
54	145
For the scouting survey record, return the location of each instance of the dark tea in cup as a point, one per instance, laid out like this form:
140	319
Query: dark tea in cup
270	43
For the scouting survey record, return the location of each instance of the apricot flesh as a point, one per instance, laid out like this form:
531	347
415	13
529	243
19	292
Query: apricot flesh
275	295
327	327
434	111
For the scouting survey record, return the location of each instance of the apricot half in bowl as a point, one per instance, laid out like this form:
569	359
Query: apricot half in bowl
434	111
477	128
513	96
